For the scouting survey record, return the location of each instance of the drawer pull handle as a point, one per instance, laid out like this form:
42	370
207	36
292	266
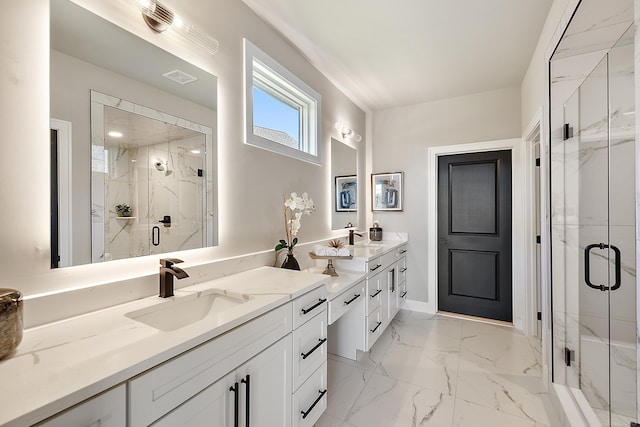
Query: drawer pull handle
376	267
308	411
355	297
402	270
235	391
247	380
307	354
376	294
402	252
376	328
318	304
403	294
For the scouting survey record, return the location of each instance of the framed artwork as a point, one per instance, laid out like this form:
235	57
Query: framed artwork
346	193
386	191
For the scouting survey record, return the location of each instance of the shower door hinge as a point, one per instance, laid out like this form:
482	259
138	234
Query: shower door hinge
538	239
567	131
634	424
539	315
538	162
569	356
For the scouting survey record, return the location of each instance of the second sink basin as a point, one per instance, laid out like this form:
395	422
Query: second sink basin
181	311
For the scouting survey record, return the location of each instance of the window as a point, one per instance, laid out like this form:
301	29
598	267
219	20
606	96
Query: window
282	112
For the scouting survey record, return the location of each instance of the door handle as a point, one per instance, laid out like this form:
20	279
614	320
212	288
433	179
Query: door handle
587	267
155	235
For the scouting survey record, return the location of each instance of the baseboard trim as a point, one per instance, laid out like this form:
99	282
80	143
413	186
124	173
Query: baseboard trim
419	306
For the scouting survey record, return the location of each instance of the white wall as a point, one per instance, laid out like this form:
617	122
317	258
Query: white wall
251	181
402	137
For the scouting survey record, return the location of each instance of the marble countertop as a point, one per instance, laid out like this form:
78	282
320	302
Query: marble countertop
368	250
337	285
61	364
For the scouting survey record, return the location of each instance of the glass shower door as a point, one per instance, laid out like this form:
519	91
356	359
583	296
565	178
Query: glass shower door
623	397
593	239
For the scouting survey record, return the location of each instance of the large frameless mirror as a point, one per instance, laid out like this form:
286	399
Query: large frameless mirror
133	144
344	171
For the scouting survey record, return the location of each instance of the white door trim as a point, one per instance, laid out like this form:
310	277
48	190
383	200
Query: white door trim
519	220
64	191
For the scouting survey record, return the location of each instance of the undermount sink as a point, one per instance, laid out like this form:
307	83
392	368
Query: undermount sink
180	311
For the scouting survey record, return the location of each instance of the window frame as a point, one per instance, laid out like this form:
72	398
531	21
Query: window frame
269	76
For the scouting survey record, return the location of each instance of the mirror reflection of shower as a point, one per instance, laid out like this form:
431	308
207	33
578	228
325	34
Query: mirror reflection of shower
157	168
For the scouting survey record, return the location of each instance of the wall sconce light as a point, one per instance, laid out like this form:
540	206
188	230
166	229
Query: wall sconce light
347	132
160	18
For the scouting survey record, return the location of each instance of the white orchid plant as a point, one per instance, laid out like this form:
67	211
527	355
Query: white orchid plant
294	207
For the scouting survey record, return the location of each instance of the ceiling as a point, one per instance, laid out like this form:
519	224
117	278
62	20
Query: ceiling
386	54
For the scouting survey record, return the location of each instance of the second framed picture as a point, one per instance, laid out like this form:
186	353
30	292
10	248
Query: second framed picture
386	191
346	193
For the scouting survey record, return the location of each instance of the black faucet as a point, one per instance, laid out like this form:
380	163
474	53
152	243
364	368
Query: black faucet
351	234
167	271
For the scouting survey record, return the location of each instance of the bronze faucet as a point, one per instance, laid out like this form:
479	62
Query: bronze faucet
167	271
351	234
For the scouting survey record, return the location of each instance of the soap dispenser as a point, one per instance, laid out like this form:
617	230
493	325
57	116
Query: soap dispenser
375	232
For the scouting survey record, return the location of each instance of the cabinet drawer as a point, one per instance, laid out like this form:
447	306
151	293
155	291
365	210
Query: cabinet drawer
310	401
374	266
374	286
374	327
345	301
308	305
309	348
163	388
107	410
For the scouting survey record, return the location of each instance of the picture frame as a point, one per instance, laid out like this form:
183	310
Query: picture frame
386	191
346	193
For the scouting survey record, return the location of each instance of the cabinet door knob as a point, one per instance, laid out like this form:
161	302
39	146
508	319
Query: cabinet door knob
308	411
307	354
234	389
247	380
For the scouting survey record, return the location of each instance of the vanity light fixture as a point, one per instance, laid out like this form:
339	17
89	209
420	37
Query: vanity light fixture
347	132
159	18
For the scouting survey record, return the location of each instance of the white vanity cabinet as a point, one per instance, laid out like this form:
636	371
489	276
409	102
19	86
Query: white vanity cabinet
255	394
105	410
378	298
214	367
309	391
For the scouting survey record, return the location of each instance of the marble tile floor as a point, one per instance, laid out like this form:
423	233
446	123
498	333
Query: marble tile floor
431	370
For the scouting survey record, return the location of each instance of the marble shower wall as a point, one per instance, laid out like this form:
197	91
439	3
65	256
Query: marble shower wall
176	190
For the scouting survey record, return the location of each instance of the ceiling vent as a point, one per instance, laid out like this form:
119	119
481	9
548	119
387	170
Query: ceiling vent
180	77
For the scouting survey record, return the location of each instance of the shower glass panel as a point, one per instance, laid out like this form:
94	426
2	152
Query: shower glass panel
593	230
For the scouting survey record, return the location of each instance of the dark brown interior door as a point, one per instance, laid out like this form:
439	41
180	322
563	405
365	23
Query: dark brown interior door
474	234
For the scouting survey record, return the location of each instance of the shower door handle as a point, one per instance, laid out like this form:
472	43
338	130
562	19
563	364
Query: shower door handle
155	235
587	267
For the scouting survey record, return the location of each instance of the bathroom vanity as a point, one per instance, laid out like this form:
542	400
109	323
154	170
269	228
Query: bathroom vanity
252	345
364	302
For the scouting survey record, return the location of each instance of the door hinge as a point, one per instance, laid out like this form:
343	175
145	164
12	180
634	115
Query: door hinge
538	239
569	356
538	162
634	424
567	131
539	315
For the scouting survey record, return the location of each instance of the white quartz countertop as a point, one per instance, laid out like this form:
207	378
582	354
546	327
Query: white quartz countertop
368	250
337	285
61	364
